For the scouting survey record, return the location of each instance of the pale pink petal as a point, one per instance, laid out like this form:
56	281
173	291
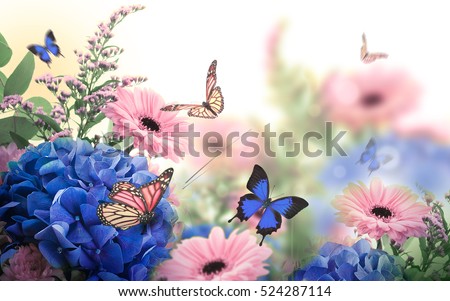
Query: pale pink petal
380	210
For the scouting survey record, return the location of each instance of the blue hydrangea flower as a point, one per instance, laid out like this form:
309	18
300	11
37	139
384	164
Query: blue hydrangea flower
356	263
52	195
29	188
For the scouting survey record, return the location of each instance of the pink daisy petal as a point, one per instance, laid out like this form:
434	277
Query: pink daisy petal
138	114
237	257
380	210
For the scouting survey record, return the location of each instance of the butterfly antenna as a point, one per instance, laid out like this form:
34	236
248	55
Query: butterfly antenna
276	197
212	159
201	168
195	179
273	188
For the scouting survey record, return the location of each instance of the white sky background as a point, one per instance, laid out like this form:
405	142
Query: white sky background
173	42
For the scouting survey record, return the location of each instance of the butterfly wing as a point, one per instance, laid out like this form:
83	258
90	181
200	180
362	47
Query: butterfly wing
378	161
153	192
211	79
204	111
248	205
50	43
371	57
259	183
289	206
127	194
118	215
271	219
215	101
369	152
270	222
41	52
363	47
180	107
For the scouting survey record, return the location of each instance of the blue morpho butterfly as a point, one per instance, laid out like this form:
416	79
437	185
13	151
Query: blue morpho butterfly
251	203
370	155
44	51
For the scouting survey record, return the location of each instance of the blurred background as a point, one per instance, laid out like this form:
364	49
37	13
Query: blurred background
293	64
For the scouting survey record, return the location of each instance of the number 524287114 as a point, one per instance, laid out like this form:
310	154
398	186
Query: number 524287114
294	291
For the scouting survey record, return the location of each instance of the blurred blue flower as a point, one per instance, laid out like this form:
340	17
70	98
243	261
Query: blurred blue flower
356	263
415	162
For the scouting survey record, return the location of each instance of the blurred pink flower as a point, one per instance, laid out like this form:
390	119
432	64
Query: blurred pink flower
417	125
373	96
138	114
9	153
273	44
28	264
380	210
229	145
217	258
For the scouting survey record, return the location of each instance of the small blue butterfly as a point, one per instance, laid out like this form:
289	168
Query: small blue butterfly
44	51
370	154
251	203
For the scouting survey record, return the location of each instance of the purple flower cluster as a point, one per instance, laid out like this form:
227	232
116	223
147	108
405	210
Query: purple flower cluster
10	102
50	82
50	197
58	114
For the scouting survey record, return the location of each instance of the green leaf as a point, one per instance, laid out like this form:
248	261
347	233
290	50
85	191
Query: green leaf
96	120
20	79
20	125
5	51
423	250
50	122
38	102
104	84
5	54
2	85
19	140
414	274
444	222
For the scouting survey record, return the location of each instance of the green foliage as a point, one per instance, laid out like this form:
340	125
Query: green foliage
20	125
19	81
5	52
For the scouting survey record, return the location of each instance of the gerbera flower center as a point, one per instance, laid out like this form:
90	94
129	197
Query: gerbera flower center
150	124
213	267
381	212
371	100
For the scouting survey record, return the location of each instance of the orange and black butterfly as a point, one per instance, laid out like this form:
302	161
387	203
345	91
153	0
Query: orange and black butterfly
214	100
133	206
369	57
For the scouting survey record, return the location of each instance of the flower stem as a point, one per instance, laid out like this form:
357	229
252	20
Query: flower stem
379	244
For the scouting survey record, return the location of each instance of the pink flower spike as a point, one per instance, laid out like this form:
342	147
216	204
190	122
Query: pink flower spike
379	210
235	258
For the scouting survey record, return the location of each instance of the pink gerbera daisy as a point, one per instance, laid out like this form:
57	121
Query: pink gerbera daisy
217	258
380	210
374	96
137	113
